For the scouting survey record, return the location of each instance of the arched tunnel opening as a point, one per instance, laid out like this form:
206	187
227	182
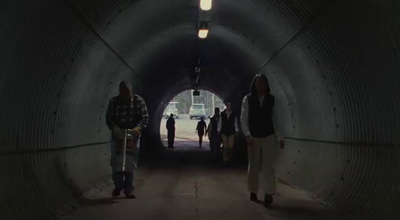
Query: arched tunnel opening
332	66
187	108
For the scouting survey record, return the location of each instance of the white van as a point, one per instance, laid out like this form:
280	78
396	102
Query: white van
198	111
171	109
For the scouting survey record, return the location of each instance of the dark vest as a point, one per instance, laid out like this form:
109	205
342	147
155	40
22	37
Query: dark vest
228	125
260	118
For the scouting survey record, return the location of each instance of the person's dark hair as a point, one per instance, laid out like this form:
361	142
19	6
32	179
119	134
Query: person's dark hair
216	109
264	78
125	84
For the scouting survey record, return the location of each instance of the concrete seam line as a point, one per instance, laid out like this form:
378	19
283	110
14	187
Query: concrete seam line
76	11
344	143
8	153
306	24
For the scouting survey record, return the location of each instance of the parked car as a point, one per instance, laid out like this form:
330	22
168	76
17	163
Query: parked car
198	111
171	109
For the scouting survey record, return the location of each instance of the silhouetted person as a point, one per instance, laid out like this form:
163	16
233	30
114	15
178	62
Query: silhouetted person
262	141
228	127
171	130
126	111
201	130
213	134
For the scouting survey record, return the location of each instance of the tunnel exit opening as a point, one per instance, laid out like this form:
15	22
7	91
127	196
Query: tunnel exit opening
186	110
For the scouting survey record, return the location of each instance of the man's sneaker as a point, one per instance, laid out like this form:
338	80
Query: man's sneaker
116	193
253	197
130	196
268	200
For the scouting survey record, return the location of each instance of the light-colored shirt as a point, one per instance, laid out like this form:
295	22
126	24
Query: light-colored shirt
244	116
220	122
261	99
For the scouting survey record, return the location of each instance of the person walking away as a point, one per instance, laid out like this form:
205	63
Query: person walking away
125	111
262	140
228	127
201	130
171	130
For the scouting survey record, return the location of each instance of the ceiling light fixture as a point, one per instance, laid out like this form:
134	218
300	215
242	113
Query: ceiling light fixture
203	33
203	29
205	5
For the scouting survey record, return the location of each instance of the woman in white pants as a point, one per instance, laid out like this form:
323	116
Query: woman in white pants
262	141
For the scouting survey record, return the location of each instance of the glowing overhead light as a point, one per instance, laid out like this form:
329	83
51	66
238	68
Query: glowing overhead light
203	33
203	29
205	4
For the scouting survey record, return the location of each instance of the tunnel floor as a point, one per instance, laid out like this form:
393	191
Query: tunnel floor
186	184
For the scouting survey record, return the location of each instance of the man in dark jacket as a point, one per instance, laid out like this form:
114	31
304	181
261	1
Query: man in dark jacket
213	135
201	130
125	111
262	141
171	130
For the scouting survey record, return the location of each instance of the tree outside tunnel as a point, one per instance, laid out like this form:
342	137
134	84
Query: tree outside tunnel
185	125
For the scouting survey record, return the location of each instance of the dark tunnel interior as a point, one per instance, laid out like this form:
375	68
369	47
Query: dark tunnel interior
333	67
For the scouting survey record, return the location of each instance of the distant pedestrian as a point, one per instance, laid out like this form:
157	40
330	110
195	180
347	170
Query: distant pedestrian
228	127
171	130
213	134
201	130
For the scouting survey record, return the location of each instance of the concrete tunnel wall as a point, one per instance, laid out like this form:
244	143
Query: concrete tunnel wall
333	67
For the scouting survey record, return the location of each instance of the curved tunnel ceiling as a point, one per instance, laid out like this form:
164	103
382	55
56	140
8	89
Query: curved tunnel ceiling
333	67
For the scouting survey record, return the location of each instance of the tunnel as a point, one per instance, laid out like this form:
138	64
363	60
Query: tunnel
333	67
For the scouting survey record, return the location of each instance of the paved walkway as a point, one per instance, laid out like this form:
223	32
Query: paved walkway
185	184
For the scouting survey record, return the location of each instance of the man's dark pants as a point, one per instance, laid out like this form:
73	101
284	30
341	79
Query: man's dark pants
171	137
